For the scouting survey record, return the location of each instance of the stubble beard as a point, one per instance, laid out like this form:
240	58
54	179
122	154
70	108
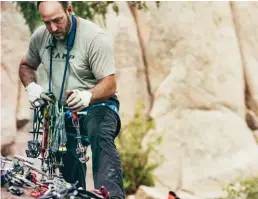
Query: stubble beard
67	29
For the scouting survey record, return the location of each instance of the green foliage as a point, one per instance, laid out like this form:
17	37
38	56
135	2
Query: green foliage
85	9
90	9
256	138
136	146
247	189
30	13
139	5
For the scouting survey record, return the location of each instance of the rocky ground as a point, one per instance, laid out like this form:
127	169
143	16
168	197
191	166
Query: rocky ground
7	195
89	181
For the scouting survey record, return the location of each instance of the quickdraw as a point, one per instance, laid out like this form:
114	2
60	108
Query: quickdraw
34	146
49	137
80	150
59	138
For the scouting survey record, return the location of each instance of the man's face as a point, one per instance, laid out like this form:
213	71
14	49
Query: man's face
56	19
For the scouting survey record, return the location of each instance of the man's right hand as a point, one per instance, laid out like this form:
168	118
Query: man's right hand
36	95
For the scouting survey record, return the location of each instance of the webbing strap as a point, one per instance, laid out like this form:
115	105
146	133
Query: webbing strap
50	70
70	42
85	111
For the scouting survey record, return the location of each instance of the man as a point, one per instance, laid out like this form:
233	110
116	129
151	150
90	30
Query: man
91	78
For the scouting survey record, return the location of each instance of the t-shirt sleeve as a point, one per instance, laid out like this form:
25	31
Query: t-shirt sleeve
101	58
33	50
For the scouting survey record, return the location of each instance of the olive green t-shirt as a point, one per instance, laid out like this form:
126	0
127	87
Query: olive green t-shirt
91	57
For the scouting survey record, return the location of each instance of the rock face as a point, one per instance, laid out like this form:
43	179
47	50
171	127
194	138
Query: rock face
196	75
247	35
147	193
15	113
131	77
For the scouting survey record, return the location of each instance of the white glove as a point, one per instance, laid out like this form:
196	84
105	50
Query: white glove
36	95
79	100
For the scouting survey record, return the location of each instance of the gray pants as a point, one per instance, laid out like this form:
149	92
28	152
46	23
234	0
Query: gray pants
101	125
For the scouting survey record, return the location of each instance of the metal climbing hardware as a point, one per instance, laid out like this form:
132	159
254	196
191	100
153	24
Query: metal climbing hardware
50	137
34	146
41	188
80	150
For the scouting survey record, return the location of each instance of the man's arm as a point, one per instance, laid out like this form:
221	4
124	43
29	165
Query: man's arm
28	78
104	89
27	72
102	65
101	60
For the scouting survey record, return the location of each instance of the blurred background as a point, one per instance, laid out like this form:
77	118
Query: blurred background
187	75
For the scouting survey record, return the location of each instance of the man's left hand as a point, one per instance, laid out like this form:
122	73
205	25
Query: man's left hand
78	100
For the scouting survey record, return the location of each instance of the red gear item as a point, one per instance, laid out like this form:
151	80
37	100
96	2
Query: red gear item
43	190
172	195
102	192
35	194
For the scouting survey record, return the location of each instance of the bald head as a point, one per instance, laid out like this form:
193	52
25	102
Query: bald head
56	17
63	3
49	9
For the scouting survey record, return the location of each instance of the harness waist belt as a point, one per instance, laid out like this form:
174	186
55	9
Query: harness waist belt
85	111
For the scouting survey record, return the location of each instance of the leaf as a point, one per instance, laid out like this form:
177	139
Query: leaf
158	4
115	8
136	160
